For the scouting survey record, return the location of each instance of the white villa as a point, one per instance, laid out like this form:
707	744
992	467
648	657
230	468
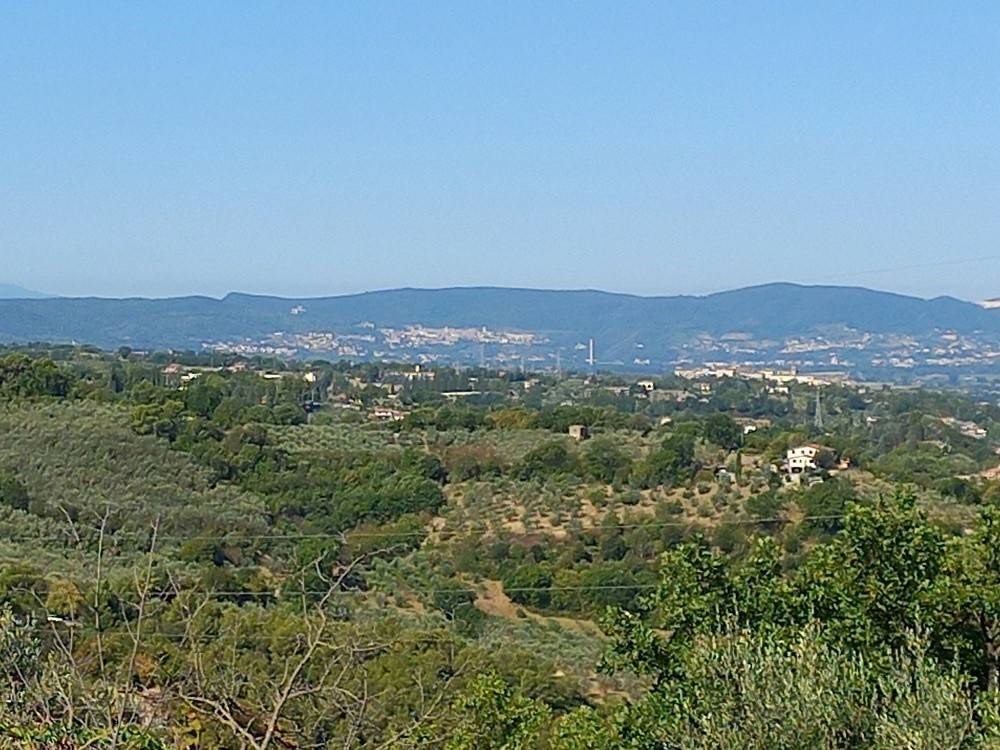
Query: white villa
801	459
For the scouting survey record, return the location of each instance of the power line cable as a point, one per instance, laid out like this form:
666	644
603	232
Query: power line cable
235	536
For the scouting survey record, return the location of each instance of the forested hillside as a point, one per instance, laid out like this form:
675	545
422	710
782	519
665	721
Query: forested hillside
206	551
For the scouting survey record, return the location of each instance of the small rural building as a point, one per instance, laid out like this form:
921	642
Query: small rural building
384	414
579	431
803	458
723	475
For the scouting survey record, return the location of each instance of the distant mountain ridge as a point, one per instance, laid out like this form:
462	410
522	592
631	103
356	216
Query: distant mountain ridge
620	322
13	291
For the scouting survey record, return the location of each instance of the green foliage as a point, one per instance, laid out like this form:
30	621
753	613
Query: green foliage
723	431
595	587
757	692
923	464
164	420
875	583
35	713
604	461
450	417
551	459
529	584
79	461
960	489
26	377
377	549
493	716
559	418
887	575
582	729
825	503
671	464
458	604
12	493
768	504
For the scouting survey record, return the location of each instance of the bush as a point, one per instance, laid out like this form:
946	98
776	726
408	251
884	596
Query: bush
723	431
765	505
671	464
827	500
672	507
528	585
604	461
960	489
632	497
547	460
752	691
13	494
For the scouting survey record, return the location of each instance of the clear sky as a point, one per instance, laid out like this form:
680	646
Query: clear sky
308	148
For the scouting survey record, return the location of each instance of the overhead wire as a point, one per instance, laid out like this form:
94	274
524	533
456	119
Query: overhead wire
235	536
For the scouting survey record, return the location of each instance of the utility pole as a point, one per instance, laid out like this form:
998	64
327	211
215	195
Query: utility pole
818	417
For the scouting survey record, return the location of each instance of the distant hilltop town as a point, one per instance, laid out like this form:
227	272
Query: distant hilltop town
375	342
850	331
833	357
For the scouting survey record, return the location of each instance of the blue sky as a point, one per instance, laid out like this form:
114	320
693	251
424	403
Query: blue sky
656	148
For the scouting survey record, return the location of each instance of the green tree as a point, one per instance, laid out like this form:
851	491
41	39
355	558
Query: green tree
552	458
723	431
876	582
494	716
529	584
758	692
161	419
12	493
604	461
289	414
826	503
671	464
22	376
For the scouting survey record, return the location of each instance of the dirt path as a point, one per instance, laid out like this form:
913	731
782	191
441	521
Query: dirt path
492	600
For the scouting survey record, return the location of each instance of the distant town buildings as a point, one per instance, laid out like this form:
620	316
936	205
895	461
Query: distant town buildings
816	359
969	429
775	378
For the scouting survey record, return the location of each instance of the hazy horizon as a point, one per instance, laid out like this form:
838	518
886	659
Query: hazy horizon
647	148
7	290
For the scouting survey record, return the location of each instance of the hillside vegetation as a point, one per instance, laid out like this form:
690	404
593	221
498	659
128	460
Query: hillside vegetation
199	552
